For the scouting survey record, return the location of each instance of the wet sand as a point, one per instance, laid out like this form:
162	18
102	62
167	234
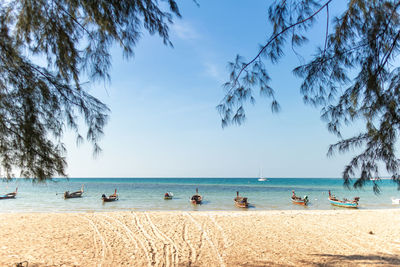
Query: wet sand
212	238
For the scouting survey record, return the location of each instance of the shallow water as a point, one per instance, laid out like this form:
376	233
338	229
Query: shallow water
147	194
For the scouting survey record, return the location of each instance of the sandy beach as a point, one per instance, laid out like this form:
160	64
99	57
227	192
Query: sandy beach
176	238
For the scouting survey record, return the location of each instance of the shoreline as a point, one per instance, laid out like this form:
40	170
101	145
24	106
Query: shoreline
214	212
198	238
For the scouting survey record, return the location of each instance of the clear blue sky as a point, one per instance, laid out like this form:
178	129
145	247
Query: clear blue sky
164	122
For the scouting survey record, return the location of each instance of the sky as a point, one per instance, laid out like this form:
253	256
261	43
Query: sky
164	122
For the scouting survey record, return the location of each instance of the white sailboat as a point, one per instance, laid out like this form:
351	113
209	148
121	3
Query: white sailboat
262	178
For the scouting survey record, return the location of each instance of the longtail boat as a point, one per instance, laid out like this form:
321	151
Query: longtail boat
298	200
395	201
75	194
110	198
345	203
168	195
240	202
196	198
9	195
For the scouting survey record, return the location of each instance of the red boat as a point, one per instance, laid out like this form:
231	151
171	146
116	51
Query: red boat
298	200
168	195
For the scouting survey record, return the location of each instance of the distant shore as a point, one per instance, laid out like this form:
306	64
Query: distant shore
209	238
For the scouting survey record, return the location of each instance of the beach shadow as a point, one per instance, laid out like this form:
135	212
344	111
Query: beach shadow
174	198
327	260
111	203
251	206
37	264
196	207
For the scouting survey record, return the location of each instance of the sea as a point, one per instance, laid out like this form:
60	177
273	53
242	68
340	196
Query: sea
146	194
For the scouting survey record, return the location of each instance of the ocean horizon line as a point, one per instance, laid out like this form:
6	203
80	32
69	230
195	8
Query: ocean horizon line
189	177
201	177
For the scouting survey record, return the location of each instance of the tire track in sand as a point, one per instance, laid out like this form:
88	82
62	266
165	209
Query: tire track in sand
96	250
192	251
201	229
139	241
200	246
226	242
103	244
128	231
166	251
174	254
150	241
130	240
109	249
109	255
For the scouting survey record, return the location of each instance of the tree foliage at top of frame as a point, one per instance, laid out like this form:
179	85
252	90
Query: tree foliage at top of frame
354	76
39	102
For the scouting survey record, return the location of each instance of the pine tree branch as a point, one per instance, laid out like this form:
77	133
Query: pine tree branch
327	28
387	56
276	36
75	20
37	152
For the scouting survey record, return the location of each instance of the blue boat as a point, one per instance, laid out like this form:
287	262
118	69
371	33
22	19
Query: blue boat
9	195
345	203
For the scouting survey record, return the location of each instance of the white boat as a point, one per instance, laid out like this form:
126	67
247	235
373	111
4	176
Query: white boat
262	178
395	201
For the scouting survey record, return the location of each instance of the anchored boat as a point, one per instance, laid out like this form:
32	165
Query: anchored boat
9	195
196	198
298	200
76	194
168	195
395	201
345	203
110	198
240	202
262	178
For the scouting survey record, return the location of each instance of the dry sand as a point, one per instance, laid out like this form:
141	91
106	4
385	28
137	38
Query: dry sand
247	238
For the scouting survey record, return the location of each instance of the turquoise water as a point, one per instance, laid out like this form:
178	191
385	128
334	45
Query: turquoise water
146	194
